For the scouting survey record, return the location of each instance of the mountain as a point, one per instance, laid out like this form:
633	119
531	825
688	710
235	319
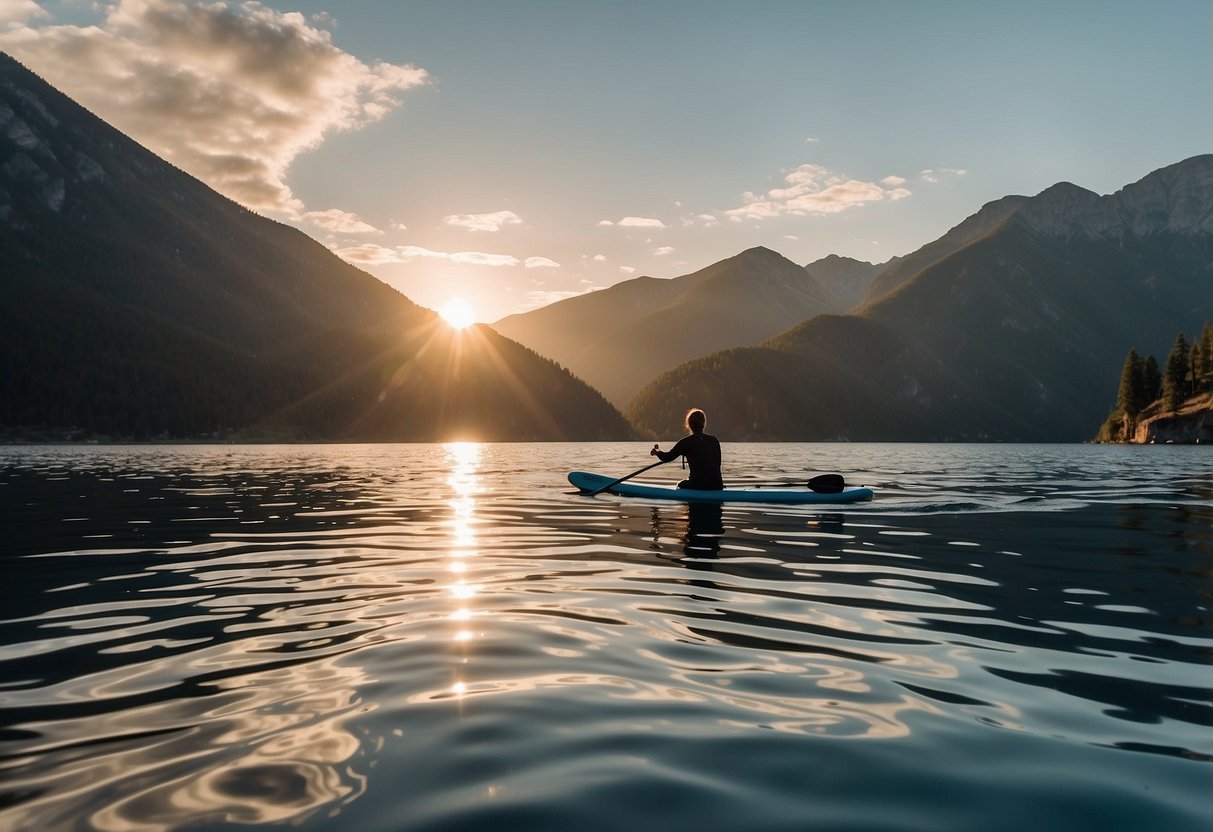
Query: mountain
618	339
138	302
1003	329
901	269
845	279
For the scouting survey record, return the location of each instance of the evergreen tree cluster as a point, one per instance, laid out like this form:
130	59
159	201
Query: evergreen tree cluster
1188	371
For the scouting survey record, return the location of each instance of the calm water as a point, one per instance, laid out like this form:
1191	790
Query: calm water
430	637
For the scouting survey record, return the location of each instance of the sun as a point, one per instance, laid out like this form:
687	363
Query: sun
458	313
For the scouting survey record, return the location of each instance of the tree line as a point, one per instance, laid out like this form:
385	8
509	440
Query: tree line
1144	386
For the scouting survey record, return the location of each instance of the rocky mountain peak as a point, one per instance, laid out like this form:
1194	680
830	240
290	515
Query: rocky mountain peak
761	255
1176	199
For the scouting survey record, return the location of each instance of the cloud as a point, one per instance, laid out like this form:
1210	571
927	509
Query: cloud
662	251
370	254
231	92
538	298
933	176
635	222
484	222
627	270
469	258
16	13
813	189
641	222
334	219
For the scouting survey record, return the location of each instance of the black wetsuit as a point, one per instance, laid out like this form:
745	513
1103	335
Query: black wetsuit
702	451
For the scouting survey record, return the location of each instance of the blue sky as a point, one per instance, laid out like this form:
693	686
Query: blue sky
513	153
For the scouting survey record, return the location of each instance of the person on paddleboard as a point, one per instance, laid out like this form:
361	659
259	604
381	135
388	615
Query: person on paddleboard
702	452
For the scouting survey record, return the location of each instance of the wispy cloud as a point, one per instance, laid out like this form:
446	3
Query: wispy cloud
662	251
469	258
813	189
484	222
372	254
336	220
933	176
635	222
368	254
538	298
231	92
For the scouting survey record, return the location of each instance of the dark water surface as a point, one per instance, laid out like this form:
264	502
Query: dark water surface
443	637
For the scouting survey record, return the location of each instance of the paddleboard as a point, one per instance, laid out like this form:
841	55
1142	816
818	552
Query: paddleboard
591	482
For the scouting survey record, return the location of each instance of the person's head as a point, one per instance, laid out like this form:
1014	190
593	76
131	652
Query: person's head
696	420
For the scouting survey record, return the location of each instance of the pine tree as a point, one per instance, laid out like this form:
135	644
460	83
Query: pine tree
1196	365
1131	397
1202	370
1175	377
1152	379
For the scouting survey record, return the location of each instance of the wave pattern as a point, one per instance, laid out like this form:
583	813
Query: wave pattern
437	637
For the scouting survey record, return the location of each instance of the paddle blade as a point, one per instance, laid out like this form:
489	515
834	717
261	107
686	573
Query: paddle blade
827	484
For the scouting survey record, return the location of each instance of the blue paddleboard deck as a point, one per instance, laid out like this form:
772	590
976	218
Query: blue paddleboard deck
592	482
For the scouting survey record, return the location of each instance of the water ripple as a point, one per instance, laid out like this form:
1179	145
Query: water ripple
418	637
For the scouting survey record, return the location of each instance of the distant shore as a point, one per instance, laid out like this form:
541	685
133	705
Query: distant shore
1190	424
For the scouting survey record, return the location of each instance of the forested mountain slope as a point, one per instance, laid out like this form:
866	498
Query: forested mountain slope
138	302
1007	330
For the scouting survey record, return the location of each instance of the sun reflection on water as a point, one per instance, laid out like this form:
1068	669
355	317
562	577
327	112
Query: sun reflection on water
464	481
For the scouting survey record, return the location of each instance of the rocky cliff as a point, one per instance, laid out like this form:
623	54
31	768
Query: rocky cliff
1191	425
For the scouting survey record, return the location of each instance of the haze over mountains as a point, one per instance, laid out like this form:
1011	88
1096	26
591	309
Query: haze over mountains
619	338
138	303
1010	327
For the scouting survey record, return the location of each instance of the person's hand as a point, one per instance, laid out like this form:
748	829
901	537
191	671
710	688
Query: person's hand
654	451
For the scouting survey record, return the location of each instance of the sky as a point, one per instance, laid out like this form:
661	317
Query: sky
517	153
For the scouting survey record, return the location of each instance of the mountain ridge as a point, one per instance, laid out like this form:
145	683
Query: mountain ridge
1021	304
141	303
619	338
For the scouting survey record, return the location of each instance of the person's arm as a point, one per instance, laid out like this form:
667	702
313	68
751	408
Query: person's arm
670	455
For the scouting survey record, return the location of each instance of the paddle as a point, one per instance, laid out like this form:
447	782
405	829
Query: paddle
827	484
822	484
597	491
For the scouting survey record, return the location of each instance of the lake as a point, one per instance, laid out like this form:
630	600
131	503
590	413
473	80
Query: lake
447	637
